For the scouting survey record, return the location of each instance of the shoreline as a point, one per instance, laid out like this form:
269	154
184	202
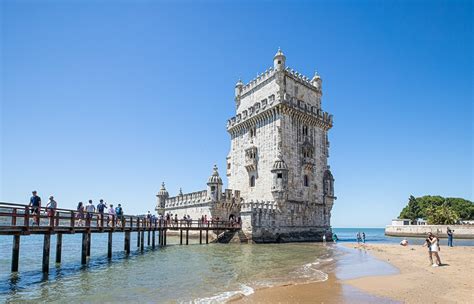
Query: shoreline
415	280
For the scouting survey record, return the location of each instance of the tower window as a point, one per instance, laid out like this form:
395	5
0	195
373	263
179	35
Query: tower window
279	175
228	165
253	132
252	181
279	61
305	130
306	181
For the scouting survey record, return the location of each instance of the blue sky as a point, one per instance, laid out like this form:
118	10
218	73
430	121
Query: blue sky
106	99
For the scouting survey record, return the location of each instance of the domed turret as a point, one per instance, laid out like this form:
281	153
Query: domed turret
162	196
214	186
316	81
279	60
280	178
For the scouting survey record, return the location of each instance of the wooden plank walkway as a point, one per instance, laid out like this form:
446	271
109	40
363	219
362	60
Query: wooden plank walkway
21	220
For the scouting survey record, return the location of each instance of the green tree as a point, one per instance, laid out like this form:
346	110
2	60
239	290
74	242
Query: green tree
441	215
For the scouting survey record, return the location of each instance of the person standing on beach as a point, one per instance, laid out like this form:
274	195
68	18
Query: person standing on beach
450	237
434	247
35	204
358	237
363	237
428	245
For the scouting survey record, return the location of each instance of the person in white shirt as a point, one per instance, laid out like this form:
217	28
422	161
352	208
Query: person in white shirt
90	209
111	212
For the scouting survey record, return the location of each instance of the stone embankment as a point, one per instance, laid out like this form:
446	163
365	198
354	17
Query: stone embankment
460	231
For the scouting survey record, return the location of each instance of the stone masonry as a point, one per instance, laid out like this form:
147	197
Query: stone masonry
283	189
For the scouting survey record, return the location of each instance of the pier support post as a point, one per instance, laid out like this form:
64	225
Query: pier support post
207	236
142	241
84	249
127	242
148	237
164	238
59	245
181	236
109	246
46	247
200	236
138	237
153	240
15	252
187	236
89	236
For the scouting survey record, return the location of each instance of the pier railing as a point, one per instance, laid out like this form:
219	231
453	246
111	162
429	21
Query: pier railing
18	220
24	219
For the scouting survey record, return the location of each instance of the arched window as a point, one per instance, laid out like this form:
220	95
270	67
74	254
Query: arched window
306	181
252	181
305	130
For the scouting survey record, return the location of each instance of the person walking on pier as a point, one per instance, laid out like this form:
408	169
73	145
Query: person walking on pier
51	208
119	213
111	213
90	208
101	208
35	204
450	237
80	214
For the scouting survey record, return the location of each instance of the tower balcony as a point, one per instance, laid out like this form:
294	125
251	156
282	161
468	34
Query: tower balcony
251	164
308	163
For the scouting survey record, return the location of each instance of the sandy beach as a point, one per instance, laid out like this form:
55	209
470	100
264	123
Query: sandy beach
416	282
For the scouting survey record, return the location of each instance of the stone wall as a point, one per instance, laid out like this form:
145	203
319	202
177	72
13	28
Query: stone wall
460	231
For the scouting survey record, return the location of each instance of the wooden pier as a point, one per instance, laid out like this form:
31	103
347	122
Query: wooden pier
19	220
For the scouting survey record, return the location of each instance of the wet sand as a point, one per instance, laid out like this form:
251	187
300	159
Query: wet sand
358	277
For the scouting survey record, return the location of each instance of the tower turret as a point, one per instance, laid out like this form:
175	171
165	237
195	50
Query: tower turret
316	81
214	186
279	60
280	178
162	196
238	90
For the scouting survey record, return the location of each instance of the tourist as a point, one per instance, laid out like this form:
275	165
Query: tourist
434	247
363	237
358	237
404	243
80	214
119	213
90	209
101	208
35	204
51	206
205	219
450	237
334	238
148	218
111	213
176	220
190	221
428	245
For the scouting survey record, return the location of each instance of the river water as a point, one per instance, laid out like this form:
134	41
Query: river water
175	273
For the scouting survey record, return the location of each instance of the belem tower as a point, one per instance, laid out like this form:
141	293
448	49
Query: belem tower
279	180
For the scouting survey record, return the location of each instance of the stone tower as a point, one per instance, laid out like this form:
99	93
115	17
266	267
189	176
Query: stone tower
278	156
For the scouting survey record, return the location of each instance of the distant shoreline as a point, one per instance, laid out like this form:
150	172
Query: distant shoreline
460	231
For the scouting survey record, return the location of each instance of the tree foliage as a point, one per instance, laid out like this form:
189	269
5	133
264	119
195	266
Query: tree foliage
438	210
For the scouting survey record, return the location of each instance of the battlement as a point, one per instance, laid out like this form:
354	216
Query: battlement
199	197
324	118
261	78
300	78
192	198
